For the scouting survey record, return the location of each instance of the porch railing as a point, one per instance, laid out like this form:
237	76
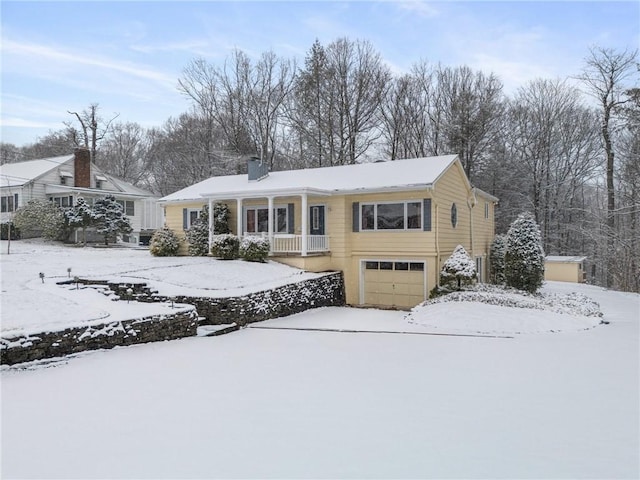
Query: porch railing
289	243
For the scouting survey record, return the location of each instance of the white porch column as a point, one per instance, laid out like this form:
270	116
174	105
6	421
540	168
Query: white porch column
270	219
211	224
304	224
239	218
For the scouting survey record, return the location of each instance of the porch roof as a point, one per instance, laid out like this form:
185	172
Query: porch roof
345	179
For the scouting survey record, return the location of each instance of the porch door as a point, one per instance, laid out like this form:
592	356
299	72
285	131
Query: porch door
316	215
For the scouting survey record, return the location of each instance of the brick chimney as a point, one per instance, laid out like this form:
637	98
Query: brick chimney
82	167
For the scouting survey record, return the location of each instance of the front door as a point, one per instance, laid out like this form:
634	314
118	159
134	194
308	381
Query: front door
316	214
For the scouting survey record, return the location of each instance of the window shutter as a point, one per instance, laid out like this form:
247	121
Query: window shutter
290	218
184	218
426	215
356	216
15	202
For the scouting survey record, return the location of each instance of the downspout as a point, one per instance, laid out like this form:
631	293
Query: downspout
211	224
437	243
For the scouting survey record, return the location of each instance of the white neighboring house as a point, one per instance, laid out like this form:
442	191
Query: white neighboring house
63	179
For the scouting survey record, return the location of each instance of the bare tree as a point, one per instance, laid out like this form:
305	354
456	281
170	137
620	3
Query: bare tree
124	152
92	129
604	75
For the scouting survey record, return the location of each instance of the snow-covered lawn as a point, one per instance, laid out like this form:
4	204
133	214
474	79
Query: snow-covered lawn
29	305
291	401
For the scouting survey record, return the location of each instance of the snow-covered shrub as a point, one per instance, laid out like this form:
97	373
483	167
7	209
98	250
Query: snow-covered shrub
524	258
254	249
198	234
221	218
109	218
41	218
164	243
225	246
5	228
459	269
496	259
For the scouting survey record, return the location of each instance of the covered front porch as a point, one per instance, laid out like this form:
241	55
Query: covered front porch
294	222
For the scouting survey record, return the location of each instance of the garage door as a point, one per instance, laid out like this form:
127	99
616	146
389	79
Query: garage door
393	283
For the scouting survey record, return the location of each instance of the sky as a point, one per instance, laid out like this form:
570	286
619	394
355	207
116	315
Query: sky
127	56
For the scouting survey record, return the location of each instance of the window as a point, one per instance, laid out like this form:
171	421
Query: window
397	266
486	209
9	203
257	219
128	207
315	218
391	216
63	201
454	215
192	216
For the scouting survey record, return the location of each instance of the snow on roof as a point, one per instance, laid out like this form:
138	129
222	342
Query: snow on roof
388	175
564	259
16	174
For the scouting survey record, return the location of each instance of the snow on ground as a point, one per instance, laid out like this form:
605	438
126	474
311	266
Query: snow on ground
289	403
27	303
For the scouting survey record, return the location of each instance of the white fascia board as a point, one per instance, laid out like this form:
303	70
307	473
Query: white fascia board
279	192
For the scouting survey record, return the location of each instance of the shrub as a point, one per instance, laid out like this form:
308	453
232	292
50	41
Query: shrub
524	259
40	218
6	228
164	243
496	259
226	247
254	249
459	269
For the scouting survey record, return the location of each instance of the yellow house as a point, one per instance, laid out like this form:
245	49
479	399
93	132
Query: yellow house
565	269
388	226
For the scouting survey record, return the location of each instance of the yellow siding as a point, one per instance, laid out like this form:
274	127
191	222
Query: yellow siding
563	272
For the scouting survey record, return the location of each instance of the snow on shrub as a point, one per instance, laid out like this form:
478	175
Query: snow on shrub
41	218
164	243
225	247
524	258
254	249
459	269
571	303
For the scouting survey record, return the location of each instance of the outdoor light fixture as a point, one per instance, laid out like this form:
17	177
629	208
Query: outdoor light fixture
69	272
129	294
42	277
77	280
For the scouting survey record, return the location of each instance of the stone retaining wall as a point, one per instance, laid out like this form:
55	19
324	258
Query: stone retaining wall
156	328
324	291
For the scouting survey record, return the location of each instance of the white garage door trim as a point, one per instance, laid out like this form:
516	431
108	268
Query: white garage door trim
363	262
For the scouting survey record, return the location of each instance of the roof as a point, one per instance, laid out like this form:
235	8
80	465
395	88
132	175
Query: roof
16	174
564	259
379	176
20	173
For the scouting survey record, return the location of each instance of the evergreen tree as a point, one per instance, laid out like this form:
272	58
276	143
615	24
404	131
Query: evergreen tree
458	268
496	259
221	218
198	234
110	220
524	258
81	215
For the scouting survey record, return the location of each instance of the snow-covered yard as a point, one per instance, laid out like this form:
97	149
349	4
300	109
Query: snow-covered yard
28	304
341	393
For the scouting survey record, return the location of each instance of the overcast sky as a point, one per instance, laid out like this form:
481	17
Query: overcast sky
128	56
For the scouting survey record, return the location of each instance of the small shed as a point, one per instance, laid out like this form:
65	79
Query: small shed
565	269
